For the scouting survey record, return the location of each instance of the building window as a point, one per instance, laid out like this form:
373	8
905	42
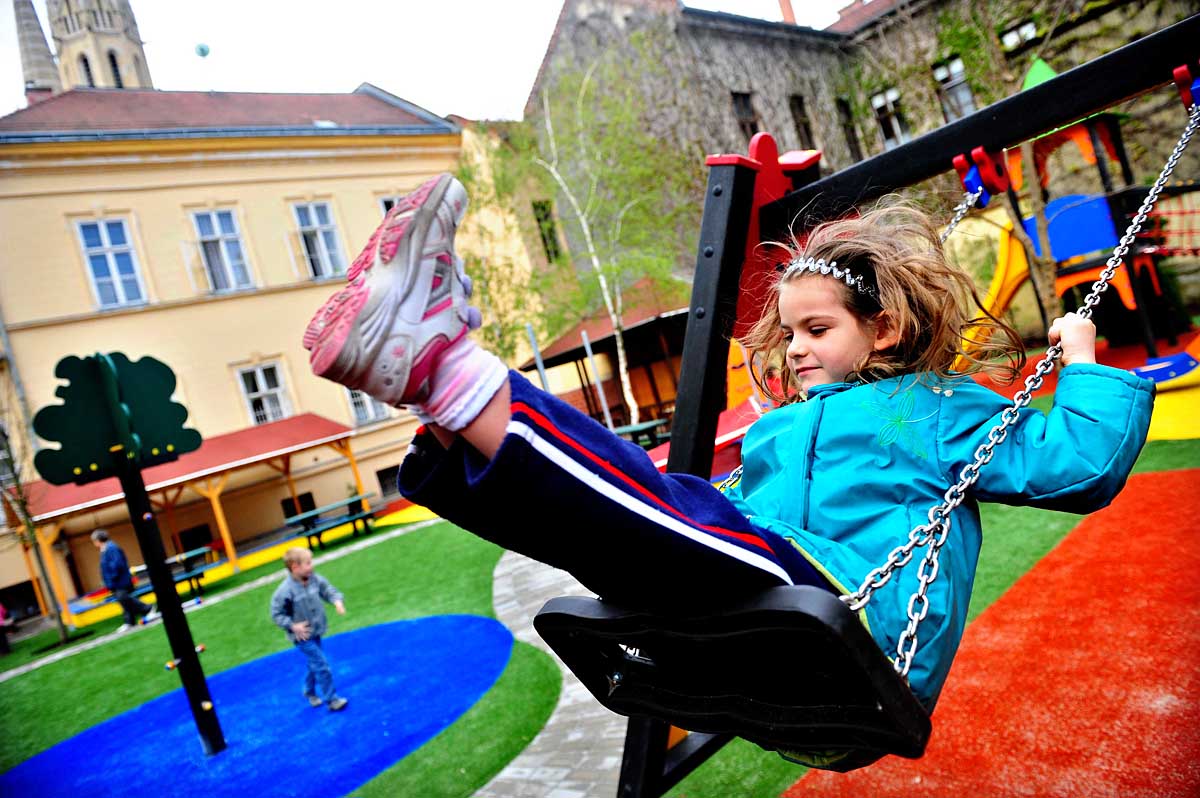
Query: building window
543	212
803	126
111	264
388	203
846	118
221	248
367	409
955	94
320	239
264	393
891	121
116	70
389	481
8	472
85	71
743	111
1017	35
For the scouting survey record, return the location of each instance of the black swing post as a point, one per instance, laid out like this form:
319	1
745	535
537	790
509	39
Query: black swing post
642	665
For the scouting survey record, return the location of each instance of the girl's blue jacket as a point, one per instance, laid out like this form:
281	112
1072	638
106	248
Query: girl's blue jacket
847	474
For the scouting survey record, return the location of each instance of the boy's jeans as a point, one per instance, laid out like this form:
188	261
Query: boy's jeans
319	679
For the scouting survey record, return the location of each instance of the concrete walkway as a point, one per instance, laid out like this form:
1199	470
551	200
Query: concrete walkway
578	752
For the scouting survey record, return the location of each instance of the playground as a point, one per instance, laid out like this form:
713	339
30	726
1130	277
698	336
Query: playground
1076	673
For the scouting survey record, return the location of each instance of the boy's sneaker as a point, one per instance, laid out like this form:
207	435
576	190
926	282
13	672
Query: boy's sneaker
405	304
337	704
313	700
151	616
123	628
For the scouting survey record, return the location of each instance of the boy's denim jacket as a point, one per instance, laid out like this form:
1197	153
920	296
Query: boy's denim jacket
294	602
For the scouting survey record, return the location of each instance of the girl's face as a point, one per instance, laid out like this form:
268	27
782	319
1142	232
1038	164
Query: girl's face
825	341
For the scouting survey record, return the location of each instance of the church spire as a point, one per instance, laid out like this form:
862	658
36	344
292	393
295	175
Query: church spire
98	44
37	64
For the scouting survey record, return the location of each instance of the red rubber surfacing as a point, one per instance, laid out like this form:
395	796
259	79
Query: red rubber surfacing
1083	679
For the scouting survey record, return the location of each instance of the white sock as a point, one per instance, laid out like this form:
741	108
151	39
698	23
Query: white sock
465	379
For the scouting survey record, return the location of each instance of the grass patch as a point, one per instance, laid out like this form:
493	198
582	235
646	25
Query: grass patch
405	577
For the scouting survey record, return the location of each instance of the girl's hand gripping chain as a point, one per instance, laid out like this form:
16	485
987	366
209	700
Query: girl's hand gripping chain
1077	337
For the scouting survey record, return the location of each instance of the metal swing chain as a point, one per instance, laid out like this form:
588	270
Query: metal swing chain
960	210
934	533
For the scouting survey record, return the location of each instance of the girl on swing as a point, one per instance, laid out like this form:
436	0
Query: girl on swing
867	321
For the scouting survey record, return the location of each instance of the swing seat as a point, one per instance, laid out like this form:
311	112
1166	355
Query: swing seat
791	670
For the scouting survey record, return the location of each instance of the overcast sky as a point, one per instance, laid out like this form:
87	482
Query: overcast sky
476	58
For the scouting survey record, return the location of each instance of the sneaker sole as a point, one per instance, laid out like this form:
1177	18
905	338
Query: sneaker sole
336	351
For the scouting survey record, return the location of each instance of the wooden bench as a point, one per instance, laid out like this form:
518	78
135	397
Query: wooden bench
352	511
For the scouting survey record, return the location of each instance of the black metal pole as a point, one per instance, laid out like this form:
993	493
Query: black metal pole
647	770
701	398
179	635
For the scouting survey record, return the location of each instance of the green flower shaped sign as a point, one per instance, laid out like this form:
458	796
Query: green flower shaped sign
115	414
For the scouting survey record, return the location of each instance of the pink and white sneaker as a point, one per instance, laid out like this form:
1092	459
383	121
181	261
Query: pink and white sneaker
405	303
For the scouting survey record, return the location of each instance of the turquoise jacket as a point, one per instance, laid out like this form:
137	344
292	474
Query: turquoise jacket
847	474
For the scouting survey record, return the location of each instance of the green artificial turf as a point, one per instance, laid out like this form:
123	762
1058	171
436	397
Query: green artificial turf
405	577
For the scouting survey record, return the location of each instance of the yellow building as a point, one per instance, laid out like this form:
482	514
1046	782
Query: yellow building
202	229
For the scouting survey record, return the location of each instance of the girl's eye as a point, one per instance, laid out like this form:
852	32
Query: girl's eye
817	332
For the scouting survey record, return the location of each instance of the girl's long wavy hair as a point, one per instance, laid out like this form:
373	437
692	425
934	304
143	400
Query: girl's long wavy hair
943	328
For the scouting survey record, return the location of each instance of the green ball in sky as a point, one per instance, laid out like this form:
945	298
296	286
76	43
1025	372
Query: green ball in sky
202	50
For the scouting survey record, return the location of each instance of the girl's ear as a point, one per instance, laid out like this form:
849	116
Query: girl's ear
887	333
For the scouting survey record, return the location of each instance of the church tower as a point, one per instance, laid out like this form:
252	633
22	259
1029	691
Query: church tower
37	63
98	44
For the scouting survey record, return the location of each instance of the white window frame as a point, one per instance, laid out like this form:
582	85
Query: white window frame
952	83
392	198
223	244
109	252
745	113
274	401
890	118
1017	35
366	409
330	260
8	469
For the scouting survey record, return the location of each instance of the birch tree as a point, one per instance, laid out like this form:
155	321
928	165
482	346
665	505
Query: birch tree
629	185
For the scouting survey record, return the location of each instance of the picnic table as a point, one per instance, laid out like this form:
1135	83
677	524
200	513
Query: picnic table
351	510
188	566
646	433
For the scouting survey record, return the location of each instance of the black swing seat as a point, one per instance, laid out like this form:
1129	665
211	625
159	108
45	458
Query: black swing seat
792	670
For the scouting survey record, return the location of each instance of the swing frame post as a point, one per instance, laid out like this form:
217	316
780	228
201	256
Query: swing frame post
648	768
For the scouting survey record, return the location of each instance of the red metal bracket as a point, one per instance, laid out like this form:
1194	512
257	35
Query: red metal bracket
1186	84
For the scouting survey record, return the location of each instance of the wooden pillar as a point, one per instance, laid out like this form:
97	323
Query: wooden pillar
211	489
35	581
52	570
166	504
342	447
285	468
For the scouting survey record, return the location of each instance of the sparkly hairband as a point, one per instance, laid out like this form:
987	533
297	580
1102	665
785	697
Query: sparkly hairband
819	266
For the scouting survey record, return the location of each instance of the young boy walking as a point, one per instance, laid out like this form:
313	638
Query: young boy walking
297	607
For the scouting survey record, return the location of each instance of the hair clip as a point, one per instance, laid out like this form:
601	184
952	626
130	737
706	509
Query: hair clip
819	266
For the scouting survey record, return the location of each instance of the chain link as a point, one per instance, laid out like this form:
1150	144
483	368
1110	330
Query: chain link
960	210
934	533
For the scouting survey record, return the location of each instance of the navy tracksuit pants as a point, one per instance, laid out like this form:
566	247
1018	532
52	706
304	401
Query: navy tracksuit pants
566	491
